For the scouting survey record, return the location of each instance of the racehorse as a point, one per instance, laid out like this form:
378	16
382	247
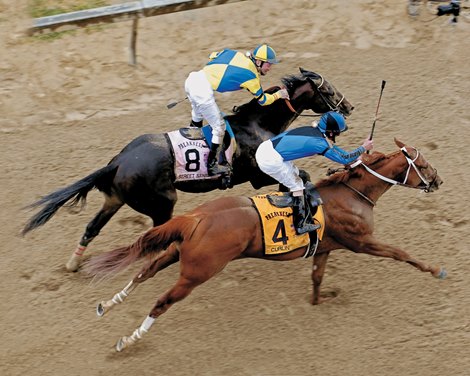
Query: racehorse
142	174
195	240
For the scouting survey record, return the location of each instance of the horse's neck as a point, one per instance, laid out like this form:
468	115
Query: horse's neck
277	123
277	118
374	187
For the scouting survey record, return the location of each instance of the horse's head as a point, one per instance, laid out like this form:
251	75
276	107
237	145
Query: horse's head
419	174
312	91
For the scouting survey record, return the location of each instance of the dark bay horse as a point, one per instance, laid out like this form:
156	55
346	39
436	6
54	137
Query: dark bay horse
142	174
195	239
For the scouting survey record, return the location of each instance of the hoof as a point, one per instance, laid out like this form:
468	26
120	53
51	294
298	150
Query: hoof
73	264
442	274
100	311
121	345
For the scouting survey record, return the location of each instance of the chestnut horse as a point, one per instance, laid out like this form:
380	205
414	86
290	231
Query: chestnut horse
142	175
196	241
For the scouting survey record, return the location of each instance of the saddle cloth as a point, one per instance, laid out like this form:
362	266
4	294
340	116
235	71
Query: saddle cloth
279	234
190	149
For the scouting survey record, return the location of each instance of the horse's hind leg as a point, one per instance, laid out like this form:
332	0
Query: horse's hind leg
165	259
110	207
197	266
178	292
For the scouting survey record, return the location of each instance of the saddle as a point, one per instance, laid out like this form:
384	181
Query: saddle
312	197
190	149
286	200
205	133
192	133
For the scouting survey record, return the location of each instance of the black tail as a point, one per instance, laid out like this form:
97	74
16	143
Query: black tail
76	192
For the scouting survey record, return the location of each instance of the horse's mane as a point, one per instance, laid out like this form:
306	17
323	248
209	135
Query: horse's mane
292	81
342	177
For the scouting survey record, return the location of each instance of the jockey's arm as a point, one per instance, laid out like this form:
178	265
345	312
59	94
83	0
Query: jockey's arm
336	154
264	99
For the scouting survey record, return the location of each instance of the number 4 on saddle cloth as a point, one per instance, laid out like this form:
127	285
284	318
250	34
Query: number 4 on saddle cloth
276	216
191	147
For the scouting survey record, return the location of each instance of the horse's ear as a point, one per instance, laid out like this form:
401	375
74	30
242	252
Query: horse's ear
399	143
302	70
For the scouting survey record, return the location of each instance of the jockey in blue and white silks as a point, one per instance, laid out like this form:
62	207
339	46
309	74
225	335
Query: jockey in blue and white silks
275	156
228	70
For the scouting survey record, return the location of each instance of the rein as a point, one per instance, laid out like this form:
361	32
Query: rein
289	105
362	195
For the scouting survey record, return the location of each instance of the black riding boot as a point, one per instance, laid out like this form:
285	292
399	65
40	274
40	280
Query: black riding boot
302	221
197	124
213	166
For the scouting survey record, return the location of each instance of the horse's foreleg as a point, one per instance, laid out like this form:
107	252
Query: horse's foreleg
92	230
375	248
167	258
178	292
318	270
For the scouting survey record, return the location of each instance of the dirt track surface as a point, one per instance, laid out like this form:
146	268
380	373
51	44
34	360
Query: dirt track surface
69	105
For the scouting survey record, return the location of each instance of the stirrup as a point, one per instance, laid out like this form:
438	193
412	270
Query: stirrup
307	227
197	124
217	169
302	216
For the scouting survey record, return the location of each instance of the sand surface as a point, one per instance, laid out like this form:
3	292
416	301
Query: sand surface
69	105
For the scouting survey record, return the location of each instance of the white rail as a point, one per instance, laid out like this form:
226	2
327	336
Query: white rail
117	13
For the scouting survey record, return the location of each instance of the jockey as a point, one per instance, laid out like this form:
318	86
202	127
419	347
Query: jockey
228	70
275	158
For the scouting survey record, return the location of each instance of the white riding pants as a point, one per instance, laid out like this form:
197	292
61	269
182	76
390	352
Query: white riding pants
272	164
201	97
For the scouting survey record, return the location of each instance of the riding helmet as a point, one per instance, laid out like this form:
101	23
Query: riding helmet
265	53
332	122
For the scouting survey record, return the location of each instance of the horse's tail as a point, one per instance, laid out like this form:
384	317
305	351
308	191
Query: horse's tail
153	241
75	193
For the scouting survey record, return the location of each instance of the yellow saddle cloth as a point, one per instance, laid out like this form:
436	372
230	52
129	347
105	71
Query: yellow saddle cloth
279	234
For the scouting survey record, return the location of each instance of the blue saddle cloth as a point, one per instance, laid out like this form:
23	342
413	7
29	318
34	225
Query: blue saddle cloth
207	131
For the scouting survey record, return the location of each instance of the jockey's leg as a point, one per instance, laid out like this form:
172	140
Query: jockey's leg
213	166
212	114
201	96
302	218
197	88
286	173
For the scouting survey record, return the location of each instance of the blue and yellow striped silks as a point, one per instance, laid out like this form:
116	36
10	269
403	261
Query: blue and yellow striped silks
230	70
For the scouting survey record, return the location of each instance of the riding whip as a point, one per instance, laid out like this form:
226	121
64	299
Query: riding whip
377	111
173	104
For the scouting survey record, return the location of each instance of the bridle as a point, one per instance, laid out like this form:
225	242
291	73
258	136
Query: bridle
411	164
330	104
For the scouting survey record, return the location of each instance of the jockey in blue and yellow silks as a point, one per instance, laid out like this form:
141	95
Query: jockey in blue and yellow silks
275	157
228	70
